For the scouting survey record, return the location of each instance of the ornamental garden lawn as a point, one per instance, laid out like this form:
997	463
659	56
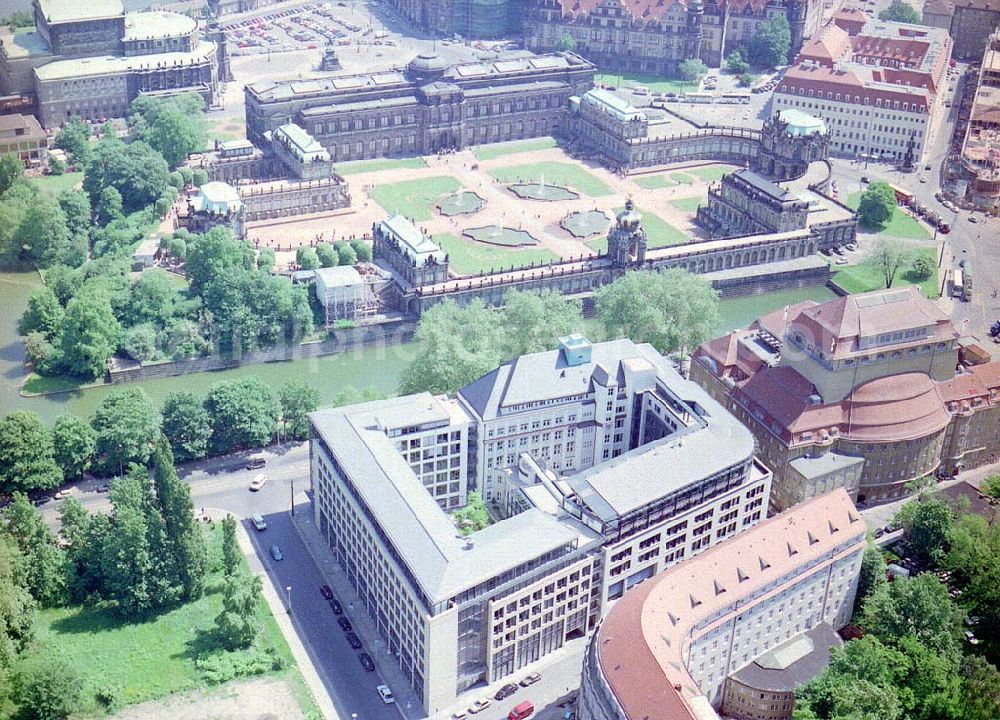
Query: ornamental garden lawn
415	199
554	173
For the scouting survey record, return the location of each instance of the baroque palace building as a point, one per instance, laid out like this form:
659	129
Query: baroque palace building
91	59
734	629
860	393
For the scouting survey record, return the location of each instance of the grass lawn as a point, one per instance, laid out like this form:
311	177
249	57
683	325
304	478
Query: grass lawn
654	182
659	233
689	205
655	83
148	659
55	184
712	173
682	179
491	152
39	384
364	166
900	225
866	276
468	257
562	174
415	198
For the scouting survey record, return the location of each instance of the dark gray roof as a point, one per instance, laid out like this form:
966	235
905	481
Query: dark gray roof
772	671
761	183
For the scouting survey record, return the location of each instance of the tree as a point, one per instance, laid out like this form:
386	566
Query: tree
56	166
974	561
42	237
456	345
199	177
152	299
210	254
872	576
298	399
242	413
11	170
76	208
980	697
327	255
265	260
184	538
736	63
900	11
17	606
44	314
74	138
232	558
90	332
137	171
26	454
890	255
991	486
692	69
140	342
877	205
473	516
673	310
565	43
185	339
44	566
109	205
238	623
917	606
73	445
363	250
173	126
64	281
346	254
769	46
929	532
127	426
922	267
185	425
46	687
533	322
306	258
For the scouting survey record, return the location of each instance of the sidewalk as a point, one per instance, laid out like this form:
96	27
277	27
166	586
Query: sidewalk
407	703
280	612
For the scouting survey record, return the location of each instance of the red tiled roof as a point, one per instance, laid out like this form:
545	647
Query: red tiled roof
898	407
831	44
776	322
642	642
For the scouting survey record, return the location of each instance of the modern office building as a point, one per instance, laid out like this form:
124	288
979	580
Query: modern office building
880	89
859	393
427	108
683	644
91	59
981	147
600	465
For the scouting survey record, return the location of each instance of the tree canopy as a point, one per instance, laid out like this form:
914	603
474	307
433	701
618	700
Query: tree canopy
174	126
127	426
890	256
877	205
243	413
900	11
186	425
26	454
769	46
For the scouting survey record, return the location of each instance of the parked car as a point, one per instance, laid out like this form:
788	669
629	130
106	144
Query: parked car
258	523
521	710
256	463
505	691
65	493
276	553
366	662
995	329
944	228
386	694
354	641
345	624
530	679
326	592
479	705
336	607
459	715
258	482
973	219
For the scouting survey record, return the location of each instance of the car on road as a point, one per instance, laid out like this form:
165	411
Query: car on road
258	523
366	662
944	228
386	694
354	641
258	482
530	679
42	500
841	261
505	691
276	553
65	493
336	606
326	592
256	463
521	710
345	624
479	705
459	715
851	246
973	219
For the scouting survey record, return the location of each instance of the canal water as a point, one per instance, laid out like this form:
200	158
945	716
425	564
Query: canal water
379	367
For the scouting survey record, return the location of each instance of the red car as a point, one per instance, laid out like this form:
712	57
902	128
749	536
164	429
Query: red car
326	591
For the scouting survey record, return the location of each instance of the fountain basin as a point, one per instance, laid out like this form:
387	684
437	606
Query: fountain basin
543	192
461	203
585	224
505	236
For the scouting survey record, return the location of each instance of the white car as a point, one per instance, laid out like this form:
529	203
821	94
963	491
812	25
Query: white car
258	482
386	694
479	705
64	493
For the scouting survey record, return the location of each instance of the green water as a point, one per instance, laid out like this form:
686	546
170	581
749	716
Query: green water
381	367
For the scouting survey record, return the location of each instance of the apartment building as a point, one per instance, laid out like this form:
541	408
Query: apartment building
880	89
650	470
667	649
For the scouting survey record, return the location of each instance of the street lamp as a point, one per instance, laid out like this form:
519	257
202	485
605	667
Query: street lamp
288	596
